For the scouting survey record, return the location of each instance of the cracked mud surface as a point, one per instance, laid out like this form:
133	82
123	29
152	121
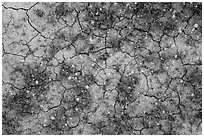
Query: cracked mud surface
102	68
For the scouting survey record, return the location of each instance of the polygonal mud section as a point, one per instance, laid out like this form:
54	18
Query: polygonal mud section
102	68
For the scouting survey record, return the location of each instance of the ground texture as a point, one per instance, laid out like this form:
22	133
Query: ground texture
102	68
